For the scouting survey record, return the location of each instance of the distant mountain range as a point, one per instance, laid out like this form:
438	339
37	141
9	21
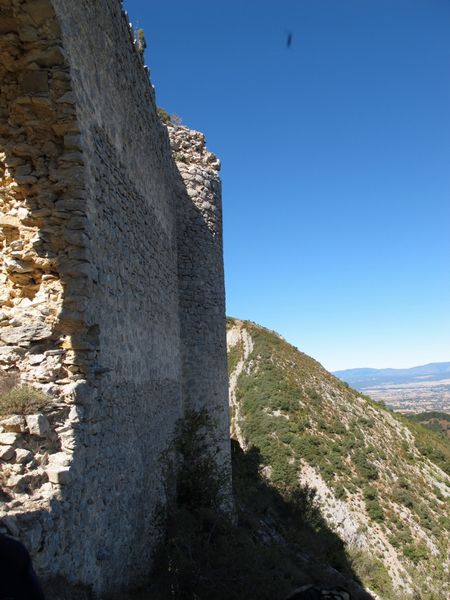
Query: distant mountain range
368	378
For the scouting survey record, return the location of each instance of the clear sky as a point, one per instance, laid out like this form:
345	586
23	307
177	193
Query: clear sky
335	163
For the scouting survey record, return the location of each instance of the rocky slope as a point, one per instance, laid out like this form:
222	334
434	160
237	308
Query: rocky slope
379	482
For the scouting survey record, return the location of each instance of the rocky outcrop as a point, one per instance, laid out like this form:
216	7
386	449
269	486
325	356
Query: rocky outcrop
238	336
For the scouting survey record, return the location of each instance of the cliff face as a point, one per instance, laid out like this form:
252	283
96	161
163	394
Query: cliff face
112	289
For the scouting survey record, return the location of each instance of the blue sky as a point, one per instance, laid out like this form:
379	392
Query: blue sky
335	163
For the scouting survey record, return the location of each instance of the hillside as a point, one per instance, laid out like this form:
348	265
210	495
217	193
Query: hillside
380	479
436	421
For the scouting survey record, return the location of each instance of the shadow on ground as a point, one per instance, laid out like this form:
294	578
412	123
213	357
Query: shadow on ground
277	545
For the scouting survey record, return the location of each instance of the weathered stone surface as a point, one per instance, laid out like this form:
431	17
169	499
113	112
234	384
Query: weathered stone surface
15	424
36	359
33	331
111	287
9	221
8	439
201	284
60	459
7	453
15	480
35	82
18	266
10	522
23	456
37	424
59	475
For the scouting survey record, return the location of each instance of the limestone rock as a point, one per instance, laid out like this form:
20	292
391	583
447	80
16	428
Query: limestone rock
59	459
14	424
7	453
38	424
8	439
33	330
58	474
10	354
15	480
36	359
9	221
23	456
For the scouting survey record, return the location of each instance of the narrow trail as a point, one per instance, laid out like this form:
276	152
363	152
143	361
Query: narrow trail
238	334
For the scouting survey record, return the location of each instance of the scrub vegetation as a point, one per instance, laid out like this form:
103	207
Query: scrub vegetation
390	472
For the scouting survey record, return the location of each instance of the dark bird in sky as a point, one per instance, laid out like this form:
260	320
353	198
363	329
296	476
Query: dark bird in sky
289	40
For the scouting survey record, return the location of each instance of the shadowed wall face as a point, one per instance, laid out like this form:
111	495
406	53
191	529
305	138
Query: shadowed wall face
201	284
96	207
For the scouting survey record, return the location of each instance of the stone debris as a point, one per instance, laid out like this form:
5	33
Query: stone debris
32	465
7	453
8	439
59	475
37	424
15	424
59	459
23	456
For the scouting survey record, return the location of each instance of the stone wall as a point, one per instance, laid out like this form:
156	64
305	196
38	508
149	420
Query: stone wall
201	281
112	291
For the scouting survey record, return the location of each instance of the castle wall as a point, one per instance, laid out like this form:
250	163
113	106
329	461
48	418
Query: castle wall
202	292
41	171
114	297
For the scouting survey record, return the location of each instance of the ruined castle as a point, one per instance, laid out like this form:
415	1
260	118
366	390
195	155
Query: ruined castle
112	291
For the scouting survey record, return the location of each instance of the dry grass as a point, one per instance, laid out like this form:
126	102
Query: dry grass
16	399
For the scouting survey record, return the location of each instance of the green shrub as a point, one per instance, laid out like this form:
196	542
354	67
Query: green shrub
340	492
366	469
370	493
416	552
140	42
372	572
403	495
8	381
430	444
337	428
199	482
163	115
234	356
204	554
180	157
314	394
402	538
374	510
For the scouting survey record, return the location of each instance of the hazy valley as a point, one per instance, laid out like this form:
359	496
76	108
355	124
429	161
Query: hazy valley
418	389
